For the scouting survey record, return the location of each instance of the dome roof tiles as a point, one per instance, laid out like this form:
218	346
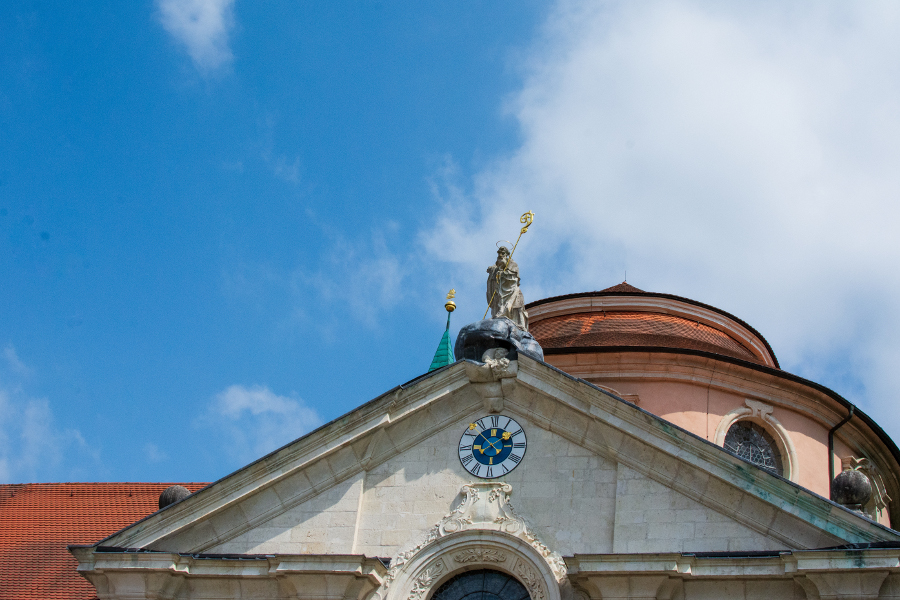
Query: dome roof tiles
623	316
632	328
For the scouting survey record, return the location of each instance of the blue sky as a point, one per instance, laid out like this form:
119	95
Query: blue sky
224	222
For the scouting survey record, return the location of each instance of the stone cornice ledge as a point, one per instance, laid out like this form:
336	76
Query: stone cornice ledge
91	561
645	429
787	563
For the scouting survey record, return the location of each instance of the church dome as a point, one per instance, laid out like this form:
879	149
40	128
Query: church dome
624	316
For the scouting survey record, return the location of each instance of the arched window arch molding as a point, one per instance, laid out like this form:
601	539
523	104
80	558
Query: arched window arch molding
482	532
761	413
449	556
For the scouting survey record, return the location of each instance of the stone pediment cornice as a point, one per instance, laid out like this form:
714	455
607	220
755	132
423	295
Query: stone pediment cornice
572	408
345	441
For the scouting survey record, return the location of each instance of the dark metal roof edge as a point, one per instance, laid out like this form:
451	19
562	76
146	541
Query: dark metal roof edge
876	429
862	546
118	550
668	297
386	562
738	554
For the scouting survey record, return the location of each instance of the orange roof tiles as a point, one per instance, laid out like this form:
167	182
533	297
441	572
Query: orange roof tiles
640	329
38	521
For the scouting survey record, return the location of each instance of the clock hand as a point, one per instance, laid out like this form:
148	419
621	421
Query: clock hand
492	445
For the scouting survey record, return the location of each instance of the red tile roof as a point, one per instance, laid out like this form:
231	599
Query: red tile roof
627	328
38	521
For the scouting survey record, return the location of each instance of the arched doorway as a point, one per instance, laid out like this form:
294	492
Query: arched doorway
483	584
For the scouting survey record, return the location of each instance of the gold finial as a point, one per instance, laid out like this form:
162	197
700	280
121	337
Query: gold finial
450	305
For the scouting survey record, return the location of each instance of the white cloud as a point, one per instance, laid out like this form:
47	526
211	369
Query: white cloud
15	364
359	279
154	454
252	421
286	170
33	446
744	155
202	26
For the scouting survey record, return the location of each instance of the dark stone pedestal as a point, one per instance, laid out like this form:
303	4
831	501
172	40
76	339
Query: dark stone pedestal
476	338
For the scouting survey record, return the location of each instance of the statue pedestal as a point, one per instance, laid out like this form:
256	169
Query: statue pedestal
478	337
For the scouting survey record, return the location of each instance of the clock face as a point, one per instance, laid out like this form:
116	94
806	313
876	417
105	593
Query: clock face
492	446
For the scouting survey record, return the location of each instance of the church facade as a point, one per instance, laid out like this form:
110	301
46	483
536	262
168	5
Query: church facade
658	451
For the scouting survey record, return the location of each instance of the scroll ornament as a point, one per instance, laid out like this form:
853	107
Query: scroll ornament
484	506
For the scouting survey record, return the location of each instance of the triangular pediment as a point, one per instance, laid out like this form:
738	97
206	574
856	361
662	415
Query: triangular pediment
600	476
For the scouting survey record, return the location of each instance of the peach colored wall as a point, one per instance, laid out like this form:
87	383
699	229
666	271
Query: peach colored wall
700	408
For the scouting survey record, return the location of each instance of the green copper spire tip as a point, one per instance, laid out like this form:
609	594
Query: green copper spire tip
444	354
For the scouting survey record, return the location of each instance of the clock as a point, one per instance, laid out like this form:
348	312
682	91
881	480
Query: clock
492	446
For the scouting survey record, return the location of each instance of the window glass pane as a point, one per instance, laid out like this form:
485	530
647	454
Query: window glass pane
481	585
754	444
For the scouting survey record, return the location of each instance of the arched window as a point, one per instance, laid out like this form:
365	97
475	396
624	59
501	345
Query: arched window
481	585
750	441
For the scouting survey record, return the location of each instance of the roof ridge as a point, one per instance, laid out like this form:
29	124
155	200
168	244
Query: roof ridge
623	287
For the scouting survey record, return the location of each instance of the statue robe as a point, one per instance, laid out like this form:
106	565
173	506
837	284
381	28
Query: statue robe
504	295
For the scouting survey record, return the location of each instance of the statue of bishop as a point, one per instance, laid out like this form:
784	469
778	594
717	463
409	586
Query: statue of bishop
503	293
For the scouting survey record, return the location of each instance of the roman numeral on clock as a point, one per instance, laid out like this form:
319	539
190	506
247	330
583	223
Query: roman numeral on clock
466	460
515	458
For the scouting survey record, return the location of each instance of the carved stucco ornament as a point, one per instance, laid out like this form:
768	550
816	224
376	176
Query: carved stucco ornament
485	506
531	579
426	579
495	379
480	555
